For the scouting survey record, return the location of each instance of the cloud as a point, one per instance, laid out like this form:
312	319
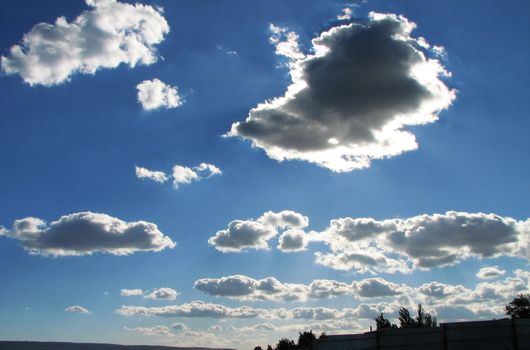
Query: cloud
157	176
77	309
179	326
352	99
293	241
286	42
131	292
490	272
155	94
86	233
105	36
162	294
154	331
255	234
192	310
246	288
346	14
378	287
181	175
424	241
242	287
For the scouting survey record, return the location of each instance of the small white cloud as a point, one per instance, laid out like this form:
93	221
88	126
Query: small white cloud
131	292
162	294
152	331
107	35
346	14
77	309
490	272
157	176
286	42
154	94
183	175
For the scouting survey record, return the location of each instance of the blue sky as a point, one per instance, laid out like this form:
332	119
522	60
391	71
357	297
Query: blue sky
90	165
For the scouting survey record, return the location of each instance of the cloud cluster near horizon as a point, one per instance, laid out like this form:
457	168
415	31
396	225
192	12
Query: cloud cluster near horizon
105	36
181	175
86	233
352	98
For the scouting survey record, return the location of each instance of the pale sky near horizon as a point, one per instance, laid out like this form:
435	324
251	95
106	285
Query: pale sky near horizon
228	173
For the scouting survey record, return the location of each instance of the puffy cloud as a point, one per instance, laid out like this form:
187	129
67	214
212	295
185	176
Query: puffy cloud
423	241
378	287
490	272
350	100
131	292
107	35
328	288
242	235
77	309
439	290
181	175
162	294
315	313
246	288
193	309
254	234
86	233
184	175
157	176
242	287
155	94
293	241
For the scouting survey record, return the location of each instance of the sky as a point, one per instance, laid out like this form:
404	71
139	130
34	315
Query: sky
227	173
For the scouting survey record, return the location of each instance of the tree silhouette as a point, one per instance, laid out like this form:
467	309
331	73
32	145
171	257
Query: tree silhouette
323	335
519	307
383	323
285	344
258	348
269	347
306	339
422	320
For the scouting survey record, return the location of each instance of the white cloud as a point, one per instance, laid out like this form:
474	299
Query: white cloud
490	272
293	240
155	94
86	233
378	287
107	35
131	292
157	176
286	42
184	175
423	241
255	234
181	175
346	14
153	331
352	99
162	294
77	309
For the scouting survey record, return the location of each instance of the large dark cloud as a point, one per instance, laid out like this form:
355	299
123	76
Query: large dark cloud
86	233
351	99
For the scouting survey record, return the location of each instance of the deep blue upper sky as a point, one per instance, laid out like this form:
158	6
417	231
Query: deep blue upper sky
73	147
